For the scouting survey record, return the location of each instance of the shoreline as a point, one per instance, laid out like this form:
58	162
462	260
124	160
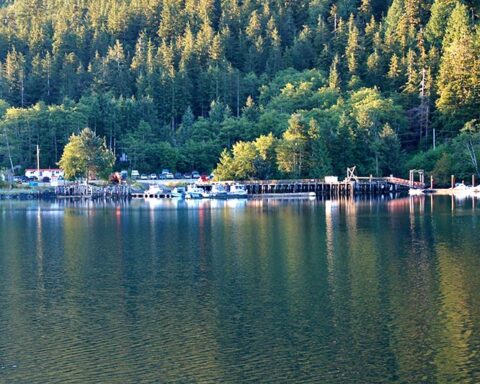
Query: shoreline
49	194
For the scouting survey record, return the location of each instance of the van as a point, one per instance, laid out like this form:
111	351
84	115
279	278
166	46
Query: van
135	174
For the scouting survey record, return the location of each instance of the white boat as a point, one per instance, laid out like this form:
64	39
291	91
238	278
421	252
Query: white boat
462	190
218	192
155	192
415	192
179	192
194	192
237	191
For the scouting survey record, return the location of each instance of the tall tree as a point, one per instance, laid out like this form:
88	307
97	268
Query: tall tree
459	76
86	155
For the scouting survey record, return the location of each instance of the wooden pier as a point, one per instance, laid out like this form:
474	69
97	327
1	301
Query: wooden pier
330	187
374	186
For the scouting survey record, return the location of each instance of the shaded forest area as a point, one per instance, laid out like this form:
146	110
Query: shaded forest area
292	88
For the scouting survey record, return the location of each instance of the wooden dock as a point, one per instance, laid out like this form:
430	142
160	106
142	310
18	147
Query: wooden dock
360	186
351	186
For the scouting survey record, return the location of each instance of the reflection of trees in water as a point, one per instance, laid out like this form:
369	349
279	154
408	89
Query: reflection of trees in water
259	290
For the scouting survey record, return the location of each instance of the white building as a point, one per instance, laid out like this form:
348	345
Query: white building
52	173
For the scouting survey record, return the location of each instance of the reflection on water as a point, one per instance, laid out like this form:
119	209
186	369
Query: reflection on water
335	291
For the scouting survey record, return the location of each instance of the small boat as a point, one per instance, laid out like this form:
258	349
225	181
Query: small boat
218	192
155	192
415	192
237	191
179	192
462	190
194	192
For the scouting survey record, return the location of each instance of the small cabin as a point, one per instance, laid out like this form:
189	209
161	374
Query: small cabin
331	179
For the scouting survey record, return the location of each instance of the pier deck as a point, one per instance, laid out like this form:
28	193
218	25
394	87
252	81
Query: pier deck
360	186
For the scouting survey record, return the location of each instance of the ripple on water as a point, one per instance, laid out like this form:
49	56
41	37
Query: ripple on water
287	292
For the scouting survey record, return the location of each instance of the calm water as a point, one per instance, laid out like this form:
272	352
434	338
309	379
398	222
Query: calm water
258	291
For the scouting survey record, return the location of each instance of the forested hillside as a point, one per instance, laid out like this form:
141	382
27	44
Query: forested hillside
275	88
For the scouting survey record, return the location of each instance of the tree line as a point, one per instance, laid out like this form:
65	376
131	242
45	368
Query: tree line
263	88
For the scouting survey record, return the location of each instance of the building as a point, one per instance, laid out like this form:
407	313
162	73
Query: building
52	173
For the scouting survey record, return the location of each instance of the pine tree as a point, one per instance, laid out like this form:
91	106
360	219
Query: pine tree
353	50
413	76
116	73
395	71
437	24
170	21
14	73
334	76
458	86
274	61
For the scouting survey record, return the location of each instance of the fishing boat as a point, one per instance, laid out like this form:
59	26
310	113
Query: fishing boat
237	191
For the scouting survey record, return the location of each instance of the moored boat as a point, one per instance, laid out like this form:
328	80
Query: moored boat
462	190
218	192
237	191
194	192
155	192
415	192
179	192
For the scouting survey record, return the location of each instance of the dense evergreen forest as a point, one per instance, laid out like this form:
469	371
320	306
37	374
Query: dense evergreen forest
291	88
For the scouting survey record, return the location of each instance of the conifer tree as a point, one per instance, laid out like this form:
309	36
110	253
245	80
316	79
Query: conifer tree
458	86
353	50
334	76
14	72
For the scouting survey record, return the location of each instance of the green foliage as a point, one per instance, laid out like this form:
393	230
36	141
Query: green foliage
172	83
467	148
459	74
86	155
248	160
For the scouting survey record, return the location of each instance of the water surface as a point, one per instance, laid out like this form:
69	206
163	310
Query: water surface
383	291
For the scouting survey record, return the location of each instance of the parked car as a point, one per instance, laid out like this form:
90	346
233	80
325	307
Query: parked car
187	176
195	175
46	179
143	177
177	175
162	176
135	174
169	175
203	178
165	171
153	176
